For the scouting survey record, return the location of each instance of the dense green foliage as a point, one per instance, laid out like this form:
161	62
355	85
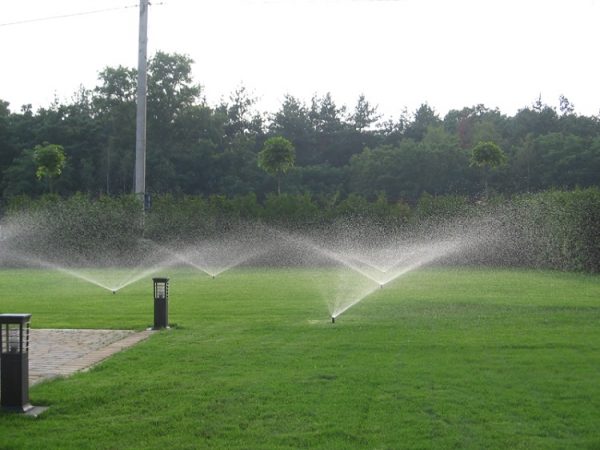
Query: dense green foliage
553	229
562	229
439	359
196	148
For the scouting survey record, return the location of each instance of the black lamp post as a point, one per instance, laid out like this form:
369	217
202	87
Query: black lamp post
14	364
161	303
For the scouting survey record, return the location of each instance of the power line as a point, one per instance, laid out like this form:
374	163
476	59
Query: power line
118	8
64	16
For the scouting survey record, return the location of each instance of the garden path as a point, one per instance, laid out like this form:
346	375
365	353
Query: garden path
54	353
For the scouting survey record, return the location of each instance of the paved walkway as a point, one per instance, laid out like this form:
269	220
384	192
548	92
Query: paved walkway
54	353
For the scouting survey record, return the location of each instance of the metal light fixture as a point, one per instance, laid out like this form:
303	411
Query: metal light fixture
14	364
161	303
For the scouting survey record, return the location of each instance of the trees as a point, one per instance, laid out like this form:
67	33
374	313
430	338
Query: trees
19	178
277	157
293	123
556	160
331	132
171	94
240	134
198	149
242	119
424	117
364	115
114	106
170	89
436	165
487	155
50	159
7	148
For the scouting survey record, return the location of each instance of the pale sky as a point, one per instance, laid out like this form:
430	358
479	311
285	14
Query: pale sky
399	53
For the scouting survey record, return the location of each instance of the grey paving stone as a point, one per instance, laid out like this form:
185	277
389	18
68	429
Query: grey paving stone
54	353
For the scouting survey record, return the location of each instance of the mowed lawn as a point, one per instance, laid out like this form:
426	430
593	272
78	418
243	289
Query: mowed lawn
440	358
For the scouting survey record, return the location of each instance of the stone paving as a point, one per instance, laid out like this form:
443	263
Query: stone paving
55	353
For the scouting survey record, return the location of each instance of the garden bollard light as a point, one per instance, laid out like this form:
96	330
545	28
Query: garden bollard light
14	364
161	303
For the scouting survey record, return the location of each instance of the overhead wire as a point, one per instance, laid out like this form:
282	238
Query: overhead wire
118	8
65	16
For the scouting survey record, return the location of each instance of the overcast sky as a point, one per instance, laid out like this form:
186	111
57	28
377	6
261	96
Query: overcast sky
448	53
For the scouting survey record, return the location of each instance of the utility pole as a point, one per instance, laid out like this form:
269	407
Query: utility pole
140	123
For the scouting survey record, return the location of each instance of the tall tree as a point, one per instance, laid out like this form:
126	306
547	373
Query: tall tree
171	88
114	107
171	93
8	150
242	119
487	156
537	119
565	106
50	159
277	157
333	134
292	121
364	115
424	117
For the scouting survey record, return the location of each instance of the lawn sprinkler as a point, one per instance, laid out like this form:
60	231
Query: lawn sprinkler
332	319
114	292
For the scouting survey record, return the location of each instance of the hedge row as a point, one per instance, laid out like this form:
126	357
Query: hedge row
554	229
562	229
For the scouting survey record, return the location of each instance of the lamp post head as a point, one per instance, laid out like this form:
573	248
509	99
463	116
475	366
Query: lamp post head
14	333
161	288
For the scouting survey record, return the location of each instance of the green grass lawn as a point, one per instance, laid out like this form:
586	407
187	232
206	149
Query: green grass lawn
440	358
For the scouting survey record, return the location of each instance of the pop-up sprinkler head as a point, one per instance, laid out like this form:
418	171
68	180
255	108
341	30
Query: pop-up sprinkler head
380	285
213	277
332	319
114	292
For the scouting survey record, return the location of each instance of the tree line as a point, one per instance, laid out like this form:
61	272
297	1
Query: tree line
195	148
